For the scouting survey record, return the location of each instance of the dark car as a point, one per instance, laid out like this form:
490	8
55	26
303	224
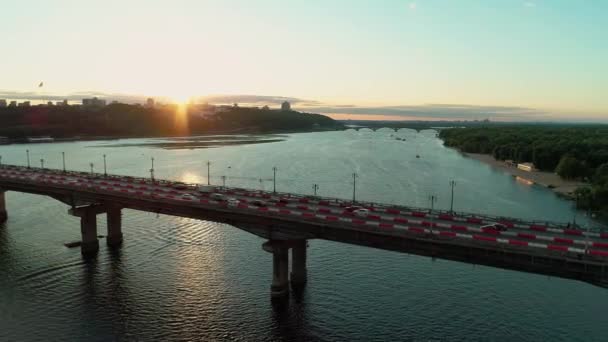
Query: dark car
495	226
258	203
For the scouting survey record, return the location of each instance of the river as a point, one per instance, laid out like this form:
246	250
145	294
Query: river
183	279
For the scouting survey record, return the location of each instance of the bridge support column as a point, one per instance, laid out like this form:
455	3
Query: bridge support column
298	263
3	215
114	219
280	268
88	229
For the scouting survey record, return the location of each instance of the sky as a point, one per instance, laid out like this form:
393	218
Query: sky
503	59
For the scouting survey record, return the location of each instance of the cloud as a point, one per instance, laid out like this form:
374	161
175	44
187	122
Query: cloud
412	5
255	100
529	4
76	96
252	100
438	111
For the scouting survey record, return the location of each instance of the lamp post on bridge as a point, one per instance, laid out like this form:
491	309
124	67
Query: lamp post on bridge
42	163
354	186
152	169
0	161
91	165
274	179
315	187
208	172
63	160
105	169
433	199
27	152
452	184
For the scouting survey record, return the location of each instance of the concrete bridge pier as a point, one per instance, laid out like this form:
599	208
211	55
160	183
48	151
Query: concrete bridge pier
114	219
88	229
3	215
298	263
280	268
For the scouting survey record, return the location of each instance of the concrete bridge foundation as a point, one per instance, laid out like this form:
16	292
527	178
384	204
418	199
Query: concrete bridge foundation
280	267
114	218
88	229
3	215
298	263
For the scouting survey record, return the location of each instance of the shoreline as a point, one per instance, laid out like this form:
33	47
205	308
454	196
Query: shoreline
549	180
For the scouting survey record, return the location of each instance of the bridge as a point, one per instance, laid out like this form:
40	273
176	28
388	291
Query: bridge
288	221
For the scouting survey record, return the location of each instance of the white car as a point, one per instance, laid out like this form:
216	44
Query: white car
361	212
233	202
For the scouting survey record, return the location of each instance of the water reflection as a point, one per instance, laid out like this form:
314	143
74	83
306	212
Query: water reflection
181	279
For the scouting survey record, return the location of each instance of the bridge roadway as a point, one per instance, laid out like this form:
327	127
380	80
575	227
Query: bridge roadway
289	220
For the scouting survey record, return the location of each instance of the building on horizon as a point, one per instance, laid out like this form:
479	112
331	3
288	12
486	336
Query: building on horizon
13	104
3	103
24	104
94	102
286	106
150	103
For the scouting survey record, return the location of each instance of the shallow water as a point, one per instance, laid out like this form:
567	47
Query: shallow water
182	279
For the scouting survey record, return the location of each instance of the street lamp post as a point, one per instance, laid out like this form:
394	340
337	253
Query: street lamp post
91	165
105	169
452	184
0	161
152	169
433	199
208	173
315	187
42	163
27	152
274	179
354	186
63	160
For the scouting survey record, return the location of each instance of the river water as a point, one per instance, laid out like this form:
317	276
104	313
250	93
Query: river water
182	279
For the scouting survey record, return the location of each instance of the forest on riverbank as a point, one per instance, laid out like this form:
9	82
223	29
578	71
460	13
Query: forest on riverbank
124	120
573	152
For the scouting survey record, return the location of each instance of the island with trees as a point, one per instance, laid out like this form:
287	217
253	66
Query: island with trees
572	151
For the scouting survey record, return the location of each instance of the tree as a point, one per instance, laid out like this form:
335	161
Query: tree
570	167
601	174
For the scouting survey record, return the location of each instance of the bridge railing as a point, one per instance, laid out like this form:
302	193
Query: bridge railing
338	201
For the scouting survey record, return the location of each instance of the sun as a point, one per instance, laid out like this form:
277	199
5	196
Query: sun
180	98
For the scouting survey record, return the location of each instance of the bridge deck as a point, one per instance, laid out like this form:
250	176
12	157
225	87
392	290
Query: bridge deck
314	217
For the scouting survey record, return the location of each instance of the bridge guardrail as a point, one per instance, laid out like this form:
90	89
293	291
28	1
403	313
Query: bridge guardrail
194	187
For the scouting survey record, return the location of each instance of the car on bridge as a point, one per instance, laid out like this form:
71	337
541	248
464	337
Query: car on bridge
361	212
233	202
499	227
218	197
258	203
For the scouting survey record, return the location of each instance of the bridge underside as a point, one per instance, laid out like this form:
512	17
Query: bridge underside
284	234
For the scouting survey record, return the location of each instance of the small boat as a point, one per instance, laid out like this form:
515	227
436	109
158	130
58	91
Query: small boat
417	156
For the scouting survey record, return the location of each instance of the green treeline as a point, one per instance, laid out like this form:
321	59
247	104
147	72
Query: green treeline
573	152
123	120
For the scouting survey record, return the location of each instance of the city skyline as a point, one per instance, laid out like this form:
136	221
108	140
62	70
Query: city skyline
510	60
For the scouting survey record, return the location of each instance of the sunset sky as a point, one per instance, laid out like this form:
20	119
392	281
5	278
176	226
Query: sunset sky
544	59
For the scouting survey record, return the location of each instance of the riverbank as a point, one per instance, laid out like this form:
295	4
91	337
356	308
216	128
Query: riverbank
564	188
